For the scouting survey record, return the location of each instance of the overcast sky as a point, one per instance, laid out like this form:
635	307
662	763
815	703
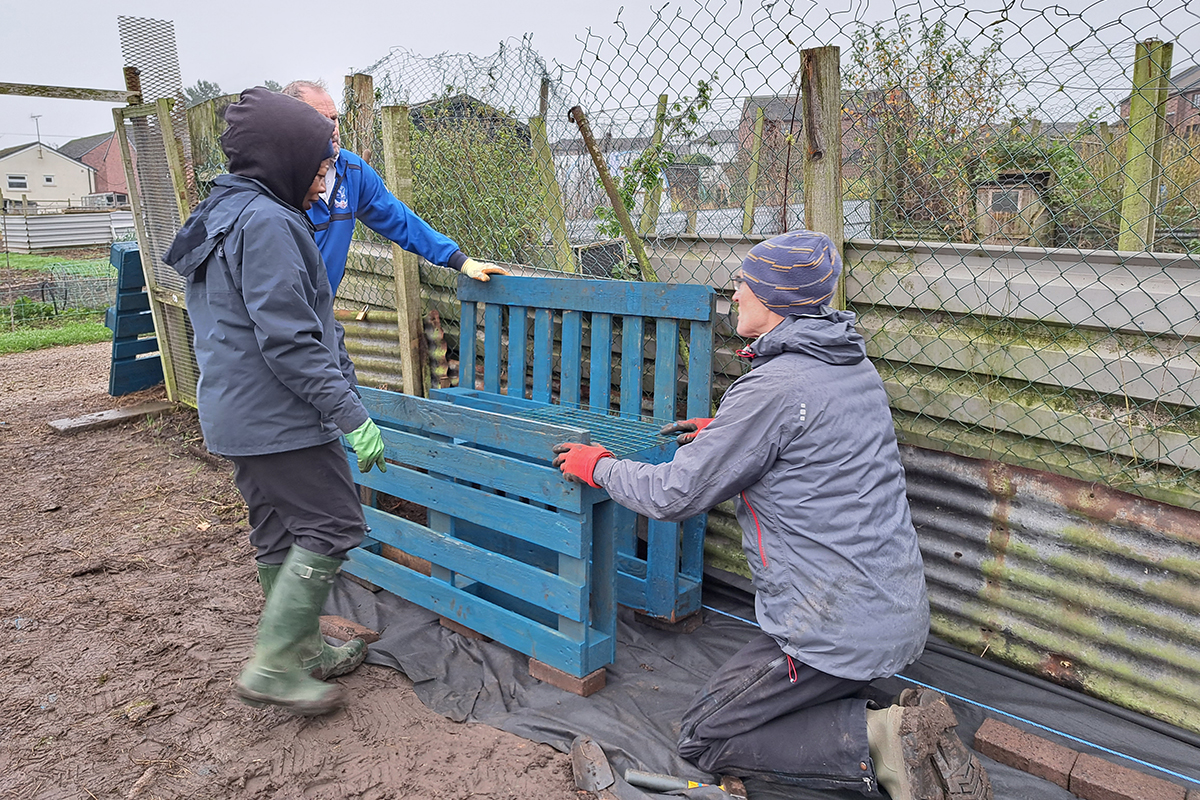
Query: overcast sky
240	43
1084	44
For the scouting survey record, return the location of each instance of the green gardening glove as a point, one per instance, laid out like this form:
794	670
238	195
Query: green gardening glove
368	446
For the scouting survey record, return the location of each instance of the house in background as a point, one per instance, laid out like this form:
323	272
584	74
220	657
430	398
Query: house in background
35	176
102	152
1183	103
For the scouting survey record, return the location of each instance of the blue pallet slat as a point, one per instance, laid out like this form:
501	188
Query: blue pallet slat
132	376
600	374
131	325
572	356
127	260
700	355
631	366
518	332
543	354
491	347
523	438
129	349
558	532
635	298
466	343
128	302
557	595
666	356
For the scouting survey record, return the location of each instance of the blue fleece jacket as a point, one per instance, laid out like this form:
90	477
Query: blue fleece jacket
359	193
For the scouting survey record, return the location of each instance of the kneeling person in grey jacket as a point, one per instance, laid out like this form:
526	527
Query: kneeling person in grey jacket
805	442
277	389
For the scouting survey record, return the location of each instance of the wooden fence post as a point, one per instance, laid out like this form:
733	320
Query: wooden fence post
359	114
1147	130
821	84
550	195
649	220
398	168
751	200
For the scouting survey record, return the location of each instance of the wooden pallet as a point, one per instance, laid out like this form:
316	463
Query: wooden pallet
516	553
641	339
136	364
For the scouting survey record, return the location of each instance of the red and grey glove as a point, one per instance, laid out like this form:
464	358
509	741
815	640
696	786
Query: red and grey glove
686	428
578	461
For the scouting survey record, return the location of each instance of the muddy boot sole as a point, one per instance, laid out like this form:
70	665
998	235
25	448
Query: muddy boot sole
326	704
939	765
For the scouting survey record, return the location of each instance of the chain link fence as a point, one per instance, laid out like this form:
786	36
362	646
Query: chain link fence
1019	191
1020	195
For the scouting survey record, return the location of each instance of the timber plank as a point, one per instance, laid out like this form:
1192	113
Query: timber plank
104	419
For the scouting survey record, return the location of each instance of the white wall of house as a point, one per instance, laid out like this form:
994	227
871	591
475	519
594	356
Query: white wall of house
44	176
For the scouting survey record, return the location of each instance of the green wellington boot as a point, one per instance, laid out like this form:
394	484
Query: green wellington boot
276	674
323	661
918	756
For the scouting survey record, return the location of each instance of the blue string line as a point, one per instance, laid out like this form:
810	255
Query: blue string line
1011	716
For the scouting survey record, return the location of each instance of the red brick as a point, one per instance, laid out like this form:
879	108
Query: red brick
344	629
1026	752
462	630
1096	779
587	685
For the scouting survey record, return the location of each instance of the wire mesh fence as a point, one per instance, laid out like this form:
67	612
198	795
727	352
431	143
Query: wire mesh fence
1019	192
54	293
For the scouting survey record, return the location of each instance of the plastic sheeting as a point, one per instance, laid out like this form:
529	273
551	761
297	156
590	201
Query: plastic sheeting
635	718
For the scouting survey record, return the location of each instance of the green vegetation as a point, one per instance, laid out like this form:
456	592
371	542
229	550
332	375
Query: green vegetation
76	331
76	266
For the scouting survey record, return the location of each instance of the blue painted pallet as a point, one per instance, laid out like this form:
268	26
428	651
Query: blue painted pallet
136	364
635	336
517	553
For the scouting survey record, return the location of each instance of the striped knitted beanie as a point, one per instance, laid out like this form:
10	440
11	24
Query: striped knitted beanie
793	273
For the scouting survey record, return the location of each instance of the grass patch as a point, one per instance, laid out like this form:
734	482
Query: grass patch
43	263
77	331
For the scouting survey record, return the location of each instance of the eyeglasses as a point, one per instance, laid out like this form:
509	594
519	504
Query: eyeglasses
737	281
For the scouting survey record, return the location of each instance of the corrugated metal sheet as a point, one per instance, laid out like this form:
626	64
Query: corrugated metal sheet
27	234
1095	589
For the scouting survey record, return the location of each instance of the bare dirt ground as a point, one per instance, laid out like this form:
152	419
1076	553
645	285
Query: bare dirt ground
128	606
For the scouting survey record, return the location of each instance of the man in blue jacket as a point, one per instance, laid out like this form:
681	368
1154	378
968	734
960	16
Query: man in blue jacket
276	389
355	191
805	442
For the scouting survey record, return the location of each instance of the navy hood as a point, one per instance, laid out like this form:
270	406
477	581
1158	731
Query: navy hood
828	336
276	140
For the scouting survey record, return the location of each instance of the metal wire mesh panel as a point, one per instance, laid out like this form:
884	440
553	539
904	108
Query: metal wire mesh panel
149	47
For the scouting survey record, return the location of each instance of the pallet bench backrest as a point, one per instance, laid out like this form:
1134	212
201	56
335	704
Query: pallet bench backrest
641	322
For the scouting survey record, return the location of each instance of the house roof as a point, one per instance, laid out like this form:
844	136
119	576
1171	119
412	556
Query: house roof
78	148
11	151
1187	80
8	151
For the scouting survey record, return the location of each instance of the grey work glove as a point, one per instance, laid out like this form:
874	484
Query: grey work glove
687	429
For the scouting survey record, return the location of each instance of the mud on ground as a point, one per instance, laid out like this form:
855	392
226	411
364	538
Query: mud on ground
128	605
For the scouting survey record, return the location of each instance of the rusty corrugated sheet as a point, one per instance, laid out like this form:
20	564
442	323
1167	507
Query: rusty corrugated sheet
1095	589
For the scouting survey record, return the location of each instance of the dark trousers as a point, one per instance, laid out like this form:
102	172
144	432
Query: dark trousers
767	716
305	497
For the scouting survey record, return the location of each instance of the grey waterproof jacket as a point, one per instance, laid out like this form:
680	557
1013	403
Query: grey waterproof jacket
274	375
805	442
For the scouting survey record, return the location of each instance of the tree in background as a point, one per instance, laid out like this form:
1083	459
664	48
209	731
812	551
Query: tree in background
274	86
200	91
939	98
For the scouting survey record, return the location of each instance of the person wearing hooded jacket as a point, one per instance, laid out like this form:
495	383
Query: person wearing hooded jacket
805	442
354	191
276	391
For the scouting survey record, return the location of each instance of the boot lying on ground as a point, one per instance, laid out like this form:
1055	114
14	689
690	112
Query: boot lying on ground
277	673
322	660
917	754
